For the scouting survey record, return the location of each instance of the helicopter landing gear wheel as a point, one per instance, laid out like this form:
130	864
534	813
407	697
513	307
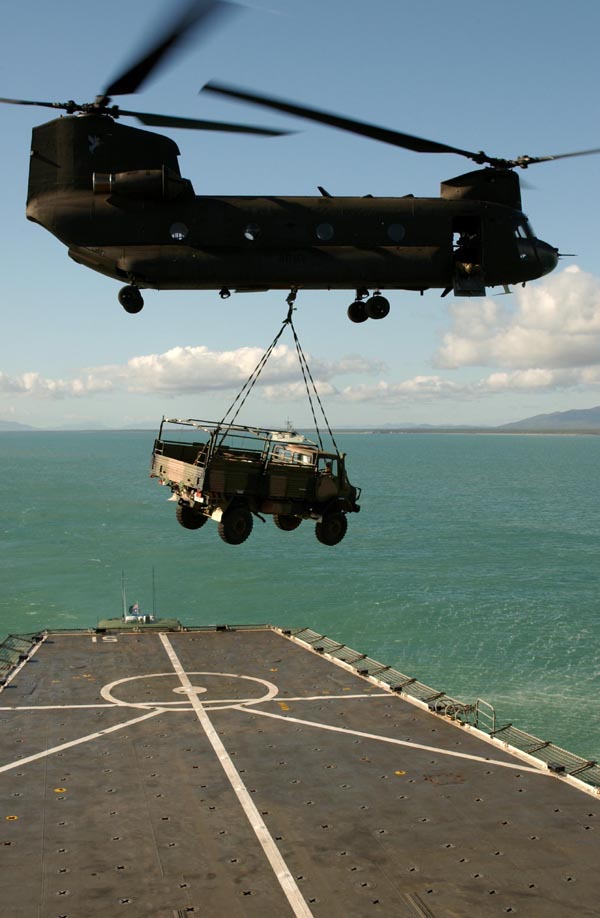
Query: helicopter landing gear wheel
377	306
131	299
236	525
357	311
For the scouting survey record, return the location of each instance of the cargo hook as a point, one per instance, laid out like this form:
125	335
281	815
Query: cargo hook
290	300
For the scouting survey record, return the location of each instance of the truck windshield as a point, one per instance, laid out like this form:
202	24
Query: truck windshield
294	456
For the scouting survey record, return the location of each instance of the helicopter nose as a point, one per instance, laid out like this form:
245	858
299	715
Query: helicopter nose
548	256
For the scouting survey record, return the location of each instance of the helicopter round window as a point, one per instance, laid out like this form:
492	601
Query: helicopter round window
178	231
252	232
396	232
324	232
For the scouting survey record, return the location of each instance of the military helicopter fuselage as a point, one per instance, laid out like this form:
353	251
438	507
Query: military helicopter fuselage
114	195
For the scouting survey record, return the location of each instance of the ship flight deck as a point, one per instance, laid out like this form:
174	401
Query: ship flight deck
240	771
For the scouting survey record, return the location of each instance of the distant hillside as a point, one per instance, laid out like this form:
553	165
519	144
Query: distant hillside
577	419
14	425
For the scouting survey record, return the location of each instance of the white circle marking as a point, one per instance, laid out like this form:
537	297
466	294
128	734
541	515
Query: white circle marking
183	705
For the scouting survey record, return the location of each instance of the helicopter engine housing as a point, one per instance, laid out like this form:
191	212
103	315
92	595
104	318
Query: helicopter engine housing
497	186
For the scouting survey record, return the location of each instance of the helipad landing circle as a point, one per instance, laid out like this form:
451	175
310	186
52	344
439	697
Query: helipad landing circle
215	690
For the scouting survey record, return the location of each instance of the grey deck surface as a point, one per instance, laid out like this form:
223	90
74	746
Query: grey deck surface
212	807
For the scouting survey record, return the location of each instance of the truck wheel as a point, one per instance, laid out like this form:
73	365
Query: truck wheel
236	525
188	518
332	528
286	522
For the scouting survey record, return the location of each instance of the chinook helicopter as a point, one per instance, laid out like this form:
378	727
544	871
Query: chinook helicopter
115	196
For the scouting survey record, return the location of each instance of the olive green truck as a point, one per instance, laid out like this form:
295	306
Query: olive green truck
237	473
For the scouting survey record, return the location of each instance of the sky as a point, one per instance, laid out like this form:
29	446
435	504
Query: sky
520	78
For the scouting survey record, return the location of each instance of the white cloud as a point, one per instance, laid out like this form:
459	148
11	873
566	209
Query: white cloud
296	391
540	379
419	387
547	340
35	385
193	369
553	325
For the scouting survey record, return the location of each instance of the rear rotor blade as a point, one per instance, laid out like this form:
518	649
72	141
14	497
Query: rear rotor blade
525	161
197	13
396	138
199	125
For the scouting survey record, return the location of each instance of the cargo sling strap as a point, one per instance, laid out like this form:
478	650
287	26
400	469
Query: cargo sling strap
231	414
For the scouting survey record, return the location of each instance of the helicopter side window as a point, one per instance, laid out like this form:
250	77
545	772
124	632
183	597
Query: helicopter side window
396	232
325	232
252	232
178	231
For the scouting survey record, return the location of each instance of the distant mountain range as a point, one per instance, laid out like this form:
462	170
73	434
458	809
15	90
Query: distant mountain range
575	420
578	420
13	425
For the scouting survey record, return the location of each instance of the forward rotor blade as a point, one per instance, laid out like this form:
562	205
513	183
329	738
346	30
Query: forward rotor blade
199	125
29	102
395	138
197	13
525	161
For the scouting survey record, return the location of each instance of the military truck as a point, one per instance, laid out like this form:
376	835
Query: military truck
237	473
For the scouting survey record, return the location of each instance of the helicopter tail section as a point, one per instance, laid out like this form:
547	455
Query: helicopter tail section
68	152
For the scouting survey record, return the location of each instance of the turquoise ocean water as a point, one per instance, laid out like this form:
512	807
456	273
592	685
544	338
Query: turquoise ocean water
474	564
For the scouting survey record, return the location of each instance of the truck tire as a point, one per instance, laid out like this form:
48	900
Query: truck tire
188	518
332	528
235	525
286	522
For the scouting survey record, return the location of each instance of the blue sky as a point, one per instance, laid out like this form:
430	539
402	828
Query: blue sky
511	79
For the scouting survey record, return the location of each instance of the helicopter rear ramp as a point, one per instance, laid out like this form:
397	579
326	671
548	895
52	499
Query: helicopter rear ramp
241	771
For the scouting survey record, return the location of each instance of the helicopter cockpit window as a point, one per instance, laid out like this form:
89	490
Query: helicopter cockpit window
523	230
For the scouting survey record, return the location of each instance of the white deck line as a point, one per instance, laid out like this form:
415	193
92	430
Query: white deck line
77	742
517	766
53	707
284	877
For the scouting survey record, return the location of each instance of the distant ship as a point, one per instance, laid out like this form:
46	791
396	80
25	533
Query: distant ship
134	614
